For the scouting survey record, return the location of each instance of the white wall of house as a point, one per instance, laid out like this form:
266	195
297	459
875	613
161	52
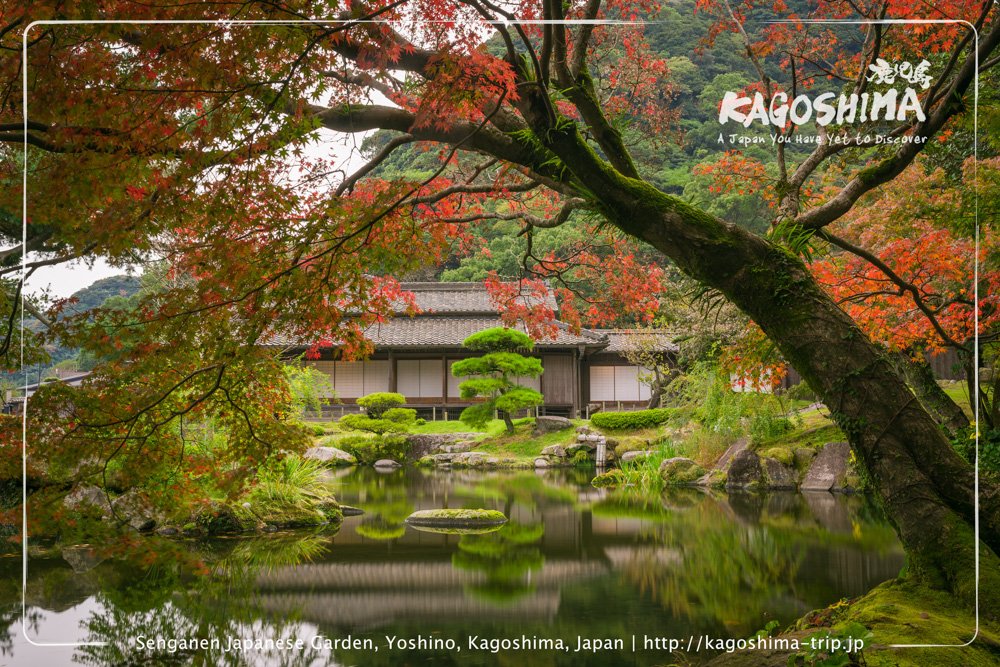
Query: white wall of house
415	378
419	378
619	383
353	379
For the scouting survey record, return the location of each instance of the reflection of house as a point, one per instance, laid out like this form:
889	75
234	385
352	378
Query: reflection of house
414	355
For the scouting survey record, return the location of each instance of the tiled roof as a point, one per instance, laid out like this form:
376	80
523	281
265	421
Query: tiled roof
465	298
624	340
422	332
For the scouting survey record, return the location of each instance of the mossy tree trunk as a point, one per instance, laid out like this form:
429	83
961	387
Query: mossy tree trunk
925	486
920	378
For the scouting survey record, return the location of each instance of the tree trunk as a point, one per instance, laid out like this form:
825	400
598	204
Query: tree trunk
507	420
925	487
938	404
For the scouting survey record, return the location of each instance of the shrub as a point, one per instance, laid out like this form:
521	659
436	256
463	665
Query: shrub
383	414
377	404
621	421
370	450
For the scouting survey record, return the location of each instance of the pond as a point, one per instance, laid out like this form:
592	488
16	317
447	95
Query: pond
573	561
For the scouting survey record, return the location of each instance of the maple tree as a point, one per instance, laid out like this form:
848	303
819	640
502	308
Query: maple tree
203	144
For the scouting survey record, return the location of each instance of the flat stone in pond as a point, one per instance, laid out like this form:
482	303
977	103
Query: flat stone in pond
388	464
351	511
455	518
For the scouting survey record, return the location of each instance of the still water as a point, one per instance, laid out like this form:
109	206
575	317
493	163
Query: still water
573	562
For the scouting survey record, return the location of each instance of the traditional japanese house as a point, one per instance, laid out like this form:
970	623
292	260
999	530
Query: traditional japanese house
414	354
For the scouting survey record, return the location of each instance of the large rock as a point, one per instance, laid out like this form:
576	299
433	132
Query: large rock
550	424
136	510
636	455
422	444
555	450
744	470
680	470
470	459
778	475
456	448
388	464
88	499
829	469
330	456
717	476
728	456
541	462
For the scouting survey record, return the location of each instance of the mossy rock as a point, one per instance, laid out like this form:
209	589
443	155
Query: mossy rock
680	471
629	444
715	479
427	461
225	518
803	457
332	511
295	517
782	454
457	518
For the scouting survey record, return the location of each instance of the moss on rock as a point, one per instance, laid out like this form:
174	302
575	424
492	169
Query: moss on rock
782	454
225	518
680	470
457	518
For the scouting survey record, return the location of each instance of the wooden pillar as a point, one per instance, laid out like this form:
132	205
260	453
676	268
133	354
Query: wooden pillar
444	379
392	372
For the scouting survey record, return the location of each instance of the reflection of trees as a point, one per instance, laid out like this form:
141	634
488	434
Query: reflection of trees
701	565
385	500
168	602
523	488
506	558
378	528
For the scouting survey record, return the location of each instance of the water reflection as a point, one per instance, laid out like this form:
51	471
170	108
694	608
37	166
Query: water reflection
573	560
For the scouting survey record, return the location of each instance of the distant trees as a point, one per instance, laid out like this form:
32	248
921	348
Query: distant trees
494	376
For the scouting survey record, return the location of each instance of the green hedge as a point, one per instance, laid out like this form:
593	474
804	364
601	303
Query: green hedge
621	421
